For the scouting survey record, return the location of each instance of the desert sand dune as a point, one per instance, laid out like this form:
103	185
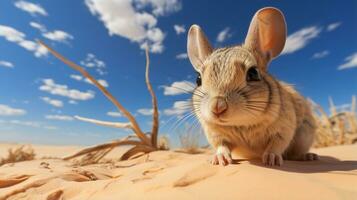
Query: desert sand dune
173	175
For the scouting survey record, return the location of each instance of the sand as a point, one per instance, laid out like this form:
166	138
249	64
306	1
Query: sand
173	175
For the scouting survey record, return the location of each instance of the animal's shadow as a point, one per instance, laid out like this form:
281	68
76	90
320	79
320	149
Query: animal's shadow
324	164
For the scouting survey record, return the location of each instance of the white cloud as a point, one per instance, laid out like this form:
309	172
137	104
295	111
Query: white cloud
91	61
179	29
31	8
160	7
7	64
58	36
351	62
19	38
300	39
145	111
6	110
38	26
73	102
53	102
103	82
59	117
33	124
179	108
114	114
224	35
333	26
182	56
179	87
76	77
321	54
126	18
62	90
23	123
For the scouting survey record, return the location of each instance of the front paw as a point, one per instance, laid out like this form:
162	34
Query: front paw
222	157
272	159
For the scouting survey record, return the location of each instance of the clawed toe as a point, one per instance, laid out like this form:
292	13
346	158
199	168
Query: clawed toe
310	157
221	159
272	159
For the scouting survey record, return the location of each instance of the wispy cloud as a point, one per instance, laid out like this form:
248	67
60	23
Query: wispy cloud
31	8
76	77
6	110
179	108
51	87
179	29
53	102
21	123
350	62
58	36
224	35
182	56
128	19
299	39
160	7
91	61
320	54
38	26
114	114
59	117
73	102
179	87
55	35
7	64
103	82
145	111
333	26
19	38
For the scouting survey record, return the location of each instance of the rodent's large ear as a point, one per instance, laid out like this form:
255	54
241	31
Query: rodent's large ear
198	47
267	32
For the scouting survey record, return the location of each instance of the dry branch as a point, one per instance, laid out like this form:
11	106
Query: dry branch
145	144
155	115
135	150
126	113
112	144
105	123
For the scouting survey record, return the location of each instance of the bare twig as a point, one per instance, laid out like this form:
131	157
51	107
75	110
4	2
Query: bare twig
155	115
126	113
112	144
105	123
135	150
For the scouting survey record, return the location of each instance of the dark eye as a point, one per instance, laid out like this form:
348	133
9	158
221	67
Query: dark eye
198	80
253	74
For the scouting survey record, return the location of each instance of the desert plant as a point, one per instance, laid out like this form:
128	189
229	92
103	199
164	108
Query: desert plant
141	142
22	153
163	143
190	140
340	127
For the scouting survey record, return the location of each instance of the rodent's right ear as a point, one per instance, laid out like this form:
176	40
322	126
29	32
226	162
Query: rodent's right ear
198	47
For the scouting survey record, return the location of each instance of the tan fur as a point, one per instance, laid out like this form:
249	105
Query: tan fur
267	118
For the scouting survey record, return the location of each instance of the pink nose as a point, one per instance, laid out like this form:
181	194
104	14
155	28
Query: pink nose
218	106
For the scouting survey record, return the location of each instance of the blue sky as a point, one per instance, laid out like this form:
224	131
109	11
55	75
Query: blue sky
40	95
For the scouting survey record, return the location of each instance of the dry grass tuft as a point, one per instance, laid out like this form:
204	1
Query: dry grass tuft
163	143
190	141
338	128
22	153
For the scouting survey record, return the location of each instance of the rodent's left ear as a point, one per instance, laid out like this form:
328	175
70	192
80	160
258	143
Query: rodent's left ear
267	32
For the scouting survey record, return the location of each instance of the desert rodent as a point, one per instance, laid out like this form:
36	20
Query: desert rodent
241	107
